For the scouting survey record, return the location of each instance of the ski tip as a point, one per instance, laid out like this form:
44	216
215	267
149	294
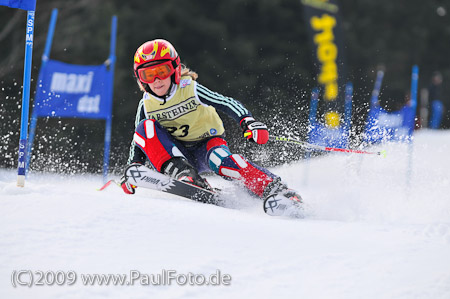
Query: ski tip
383	153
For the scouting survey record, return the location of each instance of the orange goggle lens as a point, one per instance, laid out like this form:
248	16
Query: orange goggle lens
162	71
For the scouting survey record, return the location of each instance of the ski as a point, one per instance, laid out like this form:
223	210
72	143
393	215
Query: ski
142	176
287	204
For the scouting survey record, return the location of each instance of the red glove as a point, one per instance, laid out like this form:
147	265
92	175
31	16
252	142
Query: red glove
127	187
254	130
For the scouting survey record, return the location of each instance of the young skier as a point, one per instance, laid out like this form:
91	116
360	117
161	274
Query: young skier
180	133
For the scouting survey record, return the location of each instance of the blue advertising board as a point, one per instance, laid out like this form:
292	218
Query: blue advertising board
397	125
325	135
67	90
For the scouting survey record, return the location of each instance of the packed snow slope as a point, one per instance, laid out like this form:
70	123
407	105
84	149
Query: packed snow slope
374	228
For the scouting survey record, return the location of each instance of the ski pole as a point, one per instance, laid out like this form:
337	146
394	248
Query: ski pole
320	147
107	184
325	148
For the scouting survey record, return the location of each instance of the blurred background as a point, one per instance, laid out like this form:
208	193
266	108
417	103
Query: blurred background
256	51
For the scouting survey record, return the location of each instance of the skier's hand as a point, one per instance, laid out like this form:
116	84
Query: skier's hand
127	187
254	130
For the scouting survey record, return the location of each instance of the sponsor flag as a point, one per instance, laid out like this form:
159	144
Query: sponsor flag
324	26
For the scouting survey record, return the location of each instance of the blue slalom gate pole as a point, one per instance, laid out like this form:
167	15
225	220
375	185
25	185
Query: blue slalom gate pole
413	105
51	31
25	99
348	110
312	122
376	89
45	57
414	83
112	61
313	106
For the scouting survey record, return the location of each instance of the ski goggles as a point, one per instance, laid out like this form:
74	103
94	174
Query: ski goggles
161	71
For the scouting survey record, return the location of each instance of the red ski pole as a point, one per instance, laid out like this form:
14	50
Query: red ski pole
320	147
325	148
107	184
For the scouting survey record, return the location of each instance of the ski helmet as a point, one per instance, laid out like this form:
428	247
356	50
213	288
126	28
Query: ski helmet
152	54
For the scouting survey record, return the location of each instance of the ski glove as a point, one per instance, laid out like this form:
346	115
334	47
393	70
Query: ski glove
127	187
254	130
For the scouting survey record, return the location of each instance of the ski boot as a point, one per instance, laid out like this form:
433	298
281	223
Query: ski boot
180	169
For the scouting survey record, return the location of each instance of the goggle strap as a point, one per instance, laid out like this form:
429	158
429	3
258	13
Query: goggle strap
175	63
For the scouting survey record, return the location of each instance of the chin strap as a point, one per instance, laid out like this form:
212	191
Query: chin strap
164	97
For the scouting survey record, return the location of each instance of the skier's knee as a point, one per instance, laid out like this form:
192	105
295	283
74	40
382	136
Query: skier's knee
144	130
155	142
224	163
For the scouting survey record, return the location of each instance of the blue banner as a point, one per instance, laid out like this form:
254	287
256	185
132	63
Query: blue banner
385	126
393	126
325	136
329	134
67	90
22	4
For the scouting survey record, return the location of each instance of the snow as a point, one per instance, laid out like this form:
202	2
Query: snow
374	228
